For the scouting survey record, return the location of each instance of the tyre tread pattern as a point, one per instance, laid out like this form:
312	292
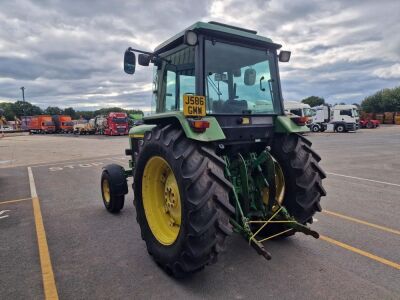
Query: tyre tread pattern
207	200
303	175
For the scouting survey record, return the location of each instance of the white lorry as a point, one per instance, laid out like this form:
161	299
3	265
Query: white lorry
345	118
321	116
341	118
299	109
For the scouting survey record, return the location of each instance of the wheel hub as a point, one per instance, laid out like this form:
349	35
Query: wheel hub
279	185
106	191
161	200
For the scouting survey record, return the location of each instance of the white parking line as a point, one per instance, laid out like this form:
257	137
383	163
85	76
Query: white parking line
365	179
2	212
72	162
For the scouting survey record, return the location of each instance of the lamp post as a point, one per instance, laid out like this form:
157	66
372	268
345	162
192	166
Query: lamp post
23	99
23	93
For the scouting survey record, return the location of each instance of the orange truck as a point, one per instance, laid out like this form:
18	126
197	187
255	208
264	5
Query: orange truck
41	124
63	124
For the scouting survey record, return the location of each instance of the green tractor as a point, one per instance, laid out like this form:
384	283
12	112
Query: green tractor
217	154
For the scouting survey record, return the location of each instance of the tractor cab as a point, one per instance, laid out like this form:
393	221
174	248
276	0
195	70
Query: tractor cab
226	73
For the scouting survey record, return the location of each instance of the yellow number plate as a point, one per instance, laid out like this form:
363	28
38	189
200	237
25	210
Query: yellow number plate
194	106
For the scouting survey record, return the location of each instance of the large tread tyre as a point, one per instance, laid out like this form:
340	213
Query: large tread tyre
113	188
303	179
204	194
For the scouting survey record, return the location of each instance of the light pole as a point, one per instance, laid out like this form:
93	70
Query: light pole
23	99
23	93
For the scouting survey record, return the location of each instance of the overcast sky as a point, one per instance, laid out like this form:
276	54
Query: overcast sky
69	53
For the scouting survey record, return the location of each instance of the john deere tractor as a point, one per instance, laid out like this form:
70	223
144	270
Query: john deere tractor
217	154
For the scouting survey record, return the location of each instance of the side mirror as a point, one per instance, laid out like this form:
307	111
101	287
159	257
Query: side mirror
129	62
144	59
284	56
250	76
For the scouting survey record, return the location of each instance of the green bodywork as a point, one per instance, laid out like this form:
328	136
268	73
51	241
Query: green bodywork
213	133
283	124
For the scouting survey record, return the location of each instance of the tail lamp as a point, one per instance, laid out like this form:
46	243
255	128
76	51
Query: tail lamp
198	125
301	121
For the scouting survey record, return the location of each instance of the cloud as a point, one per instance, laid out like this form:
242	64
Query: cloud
388	72
69	53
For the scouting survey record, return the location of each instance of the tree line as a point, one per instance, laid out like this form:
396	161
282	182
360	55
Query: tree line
386	100
24	108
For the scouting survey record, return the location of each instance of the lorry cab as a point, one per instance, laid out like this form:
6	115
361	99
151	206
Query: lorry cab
299	109
63	123
117	124
66	124
46	124
41	124
345	118
321	116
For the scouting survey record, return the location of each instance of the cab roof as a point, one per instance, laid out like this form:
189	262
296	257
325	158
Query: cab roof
221	30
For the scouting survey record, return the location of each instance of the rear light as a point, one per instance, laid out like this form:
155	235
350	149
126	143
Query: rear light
301	121
198	125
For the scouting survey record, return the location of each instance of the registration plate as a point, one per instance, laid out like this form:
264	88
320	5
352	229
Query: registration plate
194	106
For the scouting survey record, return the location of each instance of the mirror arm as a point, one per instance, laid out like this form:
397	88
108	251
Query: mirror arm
140	51
152	55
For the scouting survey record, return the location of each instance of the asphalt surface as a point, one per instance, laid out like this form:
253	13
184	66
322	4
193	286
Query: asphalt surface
96	255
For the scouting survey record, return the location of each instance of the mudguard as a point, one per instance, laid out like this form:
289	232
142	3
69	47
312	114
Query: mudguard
213	133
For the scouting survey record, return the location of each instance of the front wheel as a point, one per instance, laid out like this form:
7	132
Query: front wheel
315	128
340	128
113	187
182	201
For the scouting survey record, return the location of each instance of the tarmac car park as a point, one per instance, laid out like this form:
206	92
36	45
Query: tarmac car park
56	239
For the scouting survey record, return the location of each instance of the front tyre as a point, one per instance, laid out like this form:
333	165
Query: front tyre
182	200
340	128
315	128
113	187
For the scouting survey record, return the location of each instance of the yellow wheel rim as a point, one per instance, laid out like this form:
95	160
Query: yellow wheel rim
279	185
161	200
106	191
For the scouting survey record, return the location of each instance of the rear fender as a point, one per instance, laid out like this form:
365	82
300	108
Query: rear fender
283	124
213	133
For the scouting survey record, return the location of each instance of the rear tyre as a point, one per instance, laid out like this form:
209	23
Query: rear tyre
303	180
171	165
113	187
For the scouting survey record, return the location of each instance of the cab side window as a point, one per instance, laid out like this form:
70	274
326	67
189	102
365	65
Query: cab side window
178	80
346	112
170	95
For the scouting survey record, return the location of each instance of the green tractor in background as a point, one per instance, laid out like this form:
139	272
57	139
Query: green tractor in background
218	153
